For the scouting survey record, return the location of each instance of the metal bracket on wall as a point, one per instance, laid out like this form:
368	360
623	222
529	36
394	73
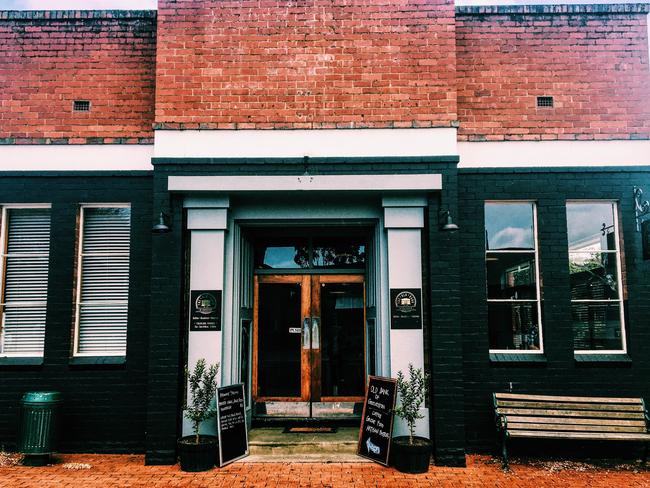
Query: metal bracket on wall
641	208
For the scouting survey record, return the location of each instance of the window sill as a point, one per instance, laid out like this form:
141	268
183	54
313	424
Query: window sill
517	358
21	361
609	359
97	360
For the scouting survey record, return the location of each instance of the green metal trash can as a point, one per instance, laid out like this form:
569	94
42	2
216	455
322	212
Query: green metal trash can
38	426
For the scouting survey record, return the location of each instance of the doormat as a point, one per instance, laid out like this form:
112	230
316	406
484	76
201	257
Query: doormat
309	430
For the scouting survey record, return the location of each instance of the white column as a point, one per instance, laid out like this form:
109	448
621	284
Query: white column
404	221
207	223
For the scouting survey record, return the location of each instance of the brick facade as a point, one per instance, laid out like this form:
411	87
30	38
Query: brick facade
51	59
312	64
593	60
320	64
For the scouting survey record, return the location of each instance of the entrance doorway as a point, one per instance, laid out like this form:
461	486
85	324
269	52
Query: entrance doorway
308	344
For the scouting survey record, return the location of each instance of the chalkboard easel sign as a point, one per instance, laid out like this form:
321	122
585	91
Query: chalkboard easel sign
377	421
231	423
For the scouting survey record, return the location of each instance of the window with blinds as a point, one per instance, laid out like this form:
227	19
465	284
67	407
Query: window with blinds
24	260
103	281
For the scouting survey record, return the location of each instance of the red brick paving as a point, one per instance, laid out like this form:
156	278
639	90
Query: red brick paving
481	471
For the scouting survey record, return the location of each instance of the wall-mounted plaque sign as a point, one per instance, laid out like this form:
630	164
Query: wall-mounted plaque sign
377	421
205	310
406	308
231	422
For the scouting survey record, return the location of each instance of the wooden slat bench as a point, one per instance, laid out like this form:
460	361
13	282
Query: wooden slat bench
568	417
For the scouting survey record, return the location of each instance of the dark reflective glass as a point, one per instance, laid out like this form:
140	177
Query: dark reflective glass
282	254
339	253
511	275
590	226
509	226
342	366
279	323
513	326
596	326
593	276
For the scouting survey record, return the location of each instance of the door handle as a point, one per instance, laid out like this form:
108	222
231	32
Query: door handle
306	333
315	332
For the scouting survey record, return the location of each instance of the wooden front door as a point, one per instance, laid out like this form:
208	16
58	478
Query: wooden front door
308	341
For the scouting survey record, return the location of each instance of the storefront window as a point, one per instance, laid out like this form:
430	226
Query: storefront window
24	262
102	300
282	254
595	271
311	253
513	287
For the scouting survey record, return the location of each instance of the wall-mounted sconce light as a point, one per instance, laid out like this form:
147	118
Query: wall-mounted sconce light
641	208
445	221
162	226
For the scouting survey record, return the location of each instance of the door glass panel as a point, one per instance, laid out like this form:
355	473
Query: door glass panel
279	340
342	341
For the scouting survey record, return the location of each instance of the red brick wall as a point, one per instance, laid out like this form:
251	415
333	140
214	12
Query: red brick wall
594	64
305	63
107	58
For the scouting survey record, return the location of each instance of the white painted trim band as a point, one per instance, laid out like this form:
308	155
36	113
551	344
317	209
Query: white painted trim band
83	157
299	143
512	154
391	182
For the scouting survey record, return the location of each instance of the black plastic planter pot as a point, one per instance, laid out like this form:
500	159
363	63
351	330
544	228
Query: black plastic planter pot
411	458
198	457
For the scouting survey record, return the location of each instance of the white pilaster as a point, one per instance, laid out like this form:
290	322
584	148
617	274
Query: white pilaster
404	220
207	224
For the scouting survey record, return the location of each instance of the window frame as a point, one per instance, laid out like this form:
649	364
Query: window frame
538	279
619	276
4	242
79	282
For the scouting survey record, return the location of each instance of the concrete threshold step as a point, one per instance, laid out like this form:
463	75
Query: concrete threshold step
273	445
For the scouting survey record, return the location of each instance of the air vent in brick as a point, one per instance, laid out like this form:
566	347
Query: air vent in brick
544	101
81	106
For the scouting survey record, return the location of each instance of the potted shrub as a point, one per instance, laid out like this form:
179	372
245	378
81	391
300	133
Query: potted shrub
199	452
411	454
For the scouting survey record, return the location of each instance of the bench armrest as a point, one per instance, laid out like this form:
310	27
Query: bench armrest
501	422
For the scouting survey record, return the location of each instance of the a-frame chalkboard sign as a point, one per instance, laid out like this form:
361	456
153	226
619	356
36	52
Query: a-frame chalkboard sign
377	421
231	424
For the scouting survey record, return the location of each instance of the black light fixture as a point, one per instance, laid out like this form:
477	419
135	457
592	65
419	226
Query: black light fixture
445	221
161	227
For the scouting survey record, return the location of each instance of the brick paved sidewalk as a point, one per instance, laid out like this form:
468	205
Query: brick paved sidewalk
482	471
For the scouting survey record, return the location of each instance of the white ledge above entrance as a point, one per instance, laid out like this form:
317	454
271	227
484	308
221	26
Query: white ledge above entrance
384	182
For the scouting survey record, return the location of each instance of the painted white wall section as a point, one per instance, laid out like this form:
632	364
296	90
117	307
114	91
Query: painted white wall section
405	271
100	157
299	143
207	218
403	217
390	182
207	229
512	154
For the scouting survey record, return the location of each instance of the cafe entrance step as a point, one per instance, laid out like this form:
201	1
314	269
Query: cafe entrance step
274	444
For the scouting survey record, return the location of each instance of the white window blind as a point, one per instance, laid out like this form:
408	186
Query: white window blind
25	254
103	281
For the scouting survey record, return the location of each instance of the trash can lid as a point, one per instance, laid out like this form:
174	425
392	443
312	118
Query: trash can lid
42	397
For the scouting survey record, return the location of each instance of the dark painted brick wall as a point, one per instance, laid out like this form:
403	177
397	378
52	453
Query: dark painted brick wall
104	405
560	374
